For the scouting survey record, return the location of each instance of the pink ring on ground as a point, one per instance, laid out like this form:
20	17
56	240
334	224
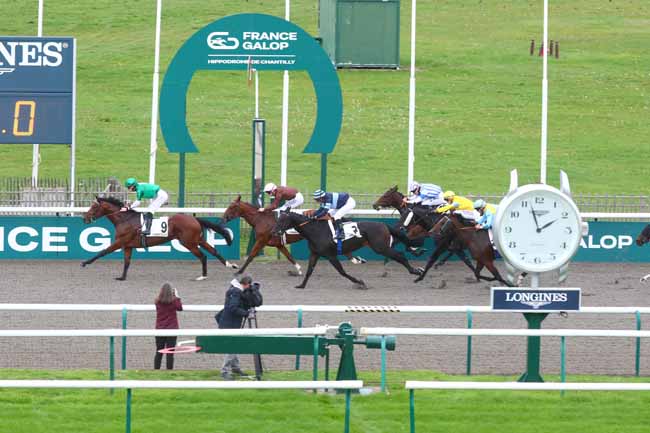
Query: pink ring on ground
179	349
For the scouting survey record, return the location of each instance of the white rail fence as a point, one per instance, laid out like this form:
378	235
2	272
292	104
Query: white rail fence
300	310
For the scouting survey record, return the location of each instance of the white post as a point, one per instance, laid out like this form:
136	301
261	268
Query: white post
153	140
411	151
257	95
36	153
544	95
73	145
285	110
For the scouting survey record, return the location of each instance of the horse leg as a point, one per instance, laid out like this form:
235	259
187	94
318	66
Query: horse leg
259	244
289	257
209	248
339	267
110	249
434	256
497	276
444	259
399	258
461	254
128	251
204	262
313	259
645	278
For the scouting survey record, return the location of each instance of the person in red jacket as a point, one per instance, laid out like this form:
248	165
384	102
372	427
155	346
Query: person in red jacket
291	196
167	304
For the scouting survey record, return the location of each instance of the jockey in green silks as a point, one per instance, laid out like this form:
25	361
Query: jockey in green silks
157	195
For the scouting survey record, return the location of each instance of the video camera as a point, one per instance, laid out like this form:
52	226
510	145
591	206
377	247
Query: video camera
252	296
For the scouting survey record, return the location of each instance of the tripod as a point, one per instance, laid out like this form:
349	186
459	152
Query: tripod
251	320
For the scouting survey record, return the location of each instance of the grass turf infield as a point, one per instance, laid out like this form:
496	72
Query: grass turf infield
273	411
478	103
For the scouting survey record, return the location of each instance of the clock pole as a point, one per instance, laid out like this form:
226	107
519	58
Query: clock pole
533	355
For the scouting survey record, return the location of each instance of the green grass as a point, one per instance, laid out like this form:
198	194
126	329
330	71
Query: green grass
478	104
193	411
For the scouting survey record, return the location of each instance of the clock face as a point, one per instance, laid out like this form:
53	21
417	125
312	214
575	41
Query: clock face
538	228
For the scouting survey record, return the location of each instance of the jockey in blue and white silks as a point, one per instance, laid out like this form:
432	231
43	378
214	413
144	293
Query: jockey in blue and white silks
423	198
487	212
337	204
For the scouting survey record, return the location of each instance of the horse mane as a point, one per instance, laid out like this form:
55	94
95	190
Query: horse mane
112	200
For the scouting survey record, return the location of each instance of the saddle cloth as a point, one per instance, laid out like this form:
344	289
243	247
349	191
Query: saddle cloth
159	227
288	232
350	230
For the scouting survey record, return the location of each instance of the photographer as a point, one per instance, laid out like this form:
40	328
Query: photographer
238	305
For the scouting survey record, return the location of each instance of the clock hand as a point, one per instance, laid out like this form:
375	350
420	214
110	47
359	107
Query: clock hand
546	225
535	218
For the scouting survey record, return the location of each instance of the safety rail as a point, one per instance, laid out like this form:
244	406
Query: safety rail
413	385
129	385
562	333
468	310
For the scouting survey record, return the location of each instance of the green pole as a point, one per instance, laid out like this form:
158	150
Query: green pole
562	361
347	411
327	365
124	313
534	349
412	409
637	360
128	410
111	360
181	180
323	171
468	362
299	326
315	372
383	363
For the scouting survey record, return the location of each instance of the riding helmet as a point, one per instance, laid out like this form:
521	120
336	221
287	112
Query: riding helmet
448	194
130	182
479	204
414	186
270	187
319	193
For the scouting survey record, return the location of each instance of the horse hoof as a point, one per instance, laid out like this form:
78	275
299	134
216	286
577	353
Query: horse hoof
120	278
83	265
360	260
418	279
294	273
384	274
361	285
300	287
201	278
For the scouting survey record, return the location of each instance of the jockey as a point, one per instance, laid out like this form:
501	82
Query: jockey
337	204
460	205
292	197
487	212
157	195
423	198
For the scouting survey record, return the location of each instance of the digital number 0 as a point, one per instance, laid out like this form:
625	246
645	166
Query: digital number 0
32	112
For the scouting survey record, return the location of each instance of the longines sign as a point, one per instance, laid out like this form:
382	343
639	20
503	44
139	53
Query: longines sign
522	299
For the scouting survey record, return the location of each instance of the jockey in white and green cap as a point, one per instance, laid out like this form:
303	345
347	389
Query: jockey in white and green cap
157	195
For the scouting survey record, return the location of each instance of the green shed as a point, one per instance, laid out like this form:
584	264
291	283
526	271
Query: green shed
360	33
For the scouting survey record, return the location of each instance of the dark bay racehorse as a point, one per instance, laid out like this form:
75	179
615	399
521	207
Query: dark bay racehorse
642	239
419	227
478	242
187	229
319	237
262	223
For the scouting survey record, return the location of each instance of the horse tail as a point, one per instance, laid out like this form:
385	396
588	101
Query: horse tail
218	227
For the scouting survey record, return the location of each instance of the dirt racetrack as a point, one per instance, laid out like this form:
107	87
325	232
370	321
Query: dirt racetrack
66	282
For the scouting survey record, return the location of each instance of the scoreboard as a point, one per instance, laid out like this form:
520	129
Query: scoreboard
37	90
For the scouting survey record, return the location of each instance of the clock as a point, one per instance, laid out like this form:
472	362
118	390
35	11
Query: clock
537	228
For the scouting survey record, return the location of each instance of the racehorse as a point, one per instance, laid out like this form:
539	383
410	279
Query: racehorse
319	237
642	239
263	223
187	229
418	227
477	241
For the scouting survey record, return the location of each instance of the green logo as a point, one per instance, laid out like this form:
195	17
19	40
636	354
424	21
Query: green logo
266	43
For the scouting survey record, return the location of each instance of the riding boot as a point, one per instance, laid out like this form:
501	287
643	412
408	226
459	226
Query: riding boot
148	219
339	230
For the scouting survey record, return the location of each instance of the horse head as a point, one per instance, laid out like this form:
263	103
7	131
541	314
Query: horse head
233	210
391	198
102	206
644	236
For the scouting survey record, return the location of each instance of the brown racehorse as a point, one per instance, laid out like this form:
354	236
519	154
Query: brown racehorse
476	241
187	229
263	223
